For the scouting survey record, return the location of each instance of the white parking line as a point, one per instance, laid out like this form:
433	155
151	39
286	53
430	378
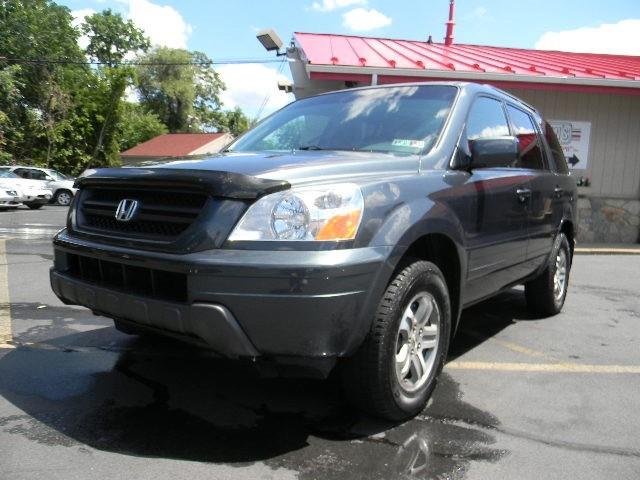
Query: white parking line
5	312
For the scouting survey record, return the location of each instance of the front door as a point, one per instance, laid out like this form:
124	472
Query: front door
496	228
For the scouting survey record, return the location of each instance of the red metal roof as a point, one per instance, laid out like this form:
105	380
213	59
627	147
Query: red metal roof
171	145
350	54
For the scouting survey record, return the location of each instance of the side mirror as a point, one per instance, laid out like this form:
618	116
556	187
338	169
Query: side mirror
494	152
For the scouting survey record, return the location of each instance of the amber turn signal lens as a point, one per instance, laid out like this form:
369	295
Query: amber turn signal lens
340	227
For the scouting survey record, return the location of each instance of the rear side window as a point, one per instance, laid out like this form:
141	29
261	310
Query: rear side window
530	146
486	120
22	172
556	149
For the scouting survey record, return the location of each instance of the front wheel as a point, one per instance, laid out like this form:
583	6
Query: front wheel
63	197
395	370
546	294
34	206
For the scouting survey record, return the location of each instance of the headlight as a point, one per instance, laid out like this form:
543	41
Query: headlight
330	212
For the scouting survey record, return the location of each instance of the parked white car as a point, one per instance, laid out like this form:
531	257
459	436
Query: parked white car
58	183
9	197
31	193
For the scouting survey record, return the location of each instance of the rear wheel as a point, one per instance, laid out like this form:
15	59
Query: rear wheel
546	294
395	370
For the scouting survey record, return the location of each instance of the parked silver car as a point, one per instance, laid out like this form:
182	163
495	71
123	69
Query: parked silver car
58	183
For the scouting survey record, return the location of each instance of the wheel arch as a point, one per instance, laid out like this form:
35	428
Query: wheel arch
568	228
441	250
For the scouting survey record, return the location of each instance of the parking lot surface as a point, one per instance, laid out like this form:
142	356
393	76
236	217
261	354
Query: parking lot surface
520	397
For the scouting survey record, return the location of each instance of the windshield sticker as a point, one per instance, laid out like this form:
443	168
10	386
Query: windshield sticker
403	142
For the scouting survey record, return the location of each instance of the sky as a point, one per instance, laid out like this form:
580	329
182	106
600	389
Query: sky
226	29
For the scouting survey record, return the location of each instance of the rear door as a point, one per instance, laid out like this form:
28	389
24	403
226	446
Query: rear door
543	206
496	229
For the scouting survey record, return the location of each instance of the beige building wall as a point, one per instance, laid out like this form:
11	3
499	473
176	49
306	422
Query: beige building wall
609	209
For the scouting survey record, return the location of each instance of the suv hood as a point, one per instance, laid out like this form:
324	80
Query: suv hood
300	166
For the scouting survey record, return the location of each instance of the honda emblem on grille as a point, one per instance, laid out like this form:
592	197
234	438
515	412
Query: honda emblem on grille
127	209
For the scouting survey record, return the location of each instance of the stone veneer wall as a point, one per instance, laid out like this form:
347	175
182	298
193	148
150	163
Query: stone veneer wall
608	220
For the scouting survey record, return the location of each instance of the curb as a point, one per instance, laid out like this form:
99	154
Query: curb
606	251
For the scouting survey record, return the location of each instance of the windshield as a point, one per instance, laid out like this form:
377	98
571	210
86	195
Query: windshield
7	174
398	120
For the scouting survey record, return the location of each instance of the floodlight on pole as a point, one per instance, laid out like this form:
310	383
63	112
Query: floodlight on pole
270	40
285	86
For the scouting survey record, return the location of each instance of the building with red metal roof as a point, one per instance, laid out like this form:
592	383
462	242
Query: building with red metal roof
386	60
591	100
173	145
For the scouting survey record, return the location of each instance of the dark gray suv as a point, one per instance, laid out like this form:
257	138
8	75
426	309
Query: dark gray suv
346	230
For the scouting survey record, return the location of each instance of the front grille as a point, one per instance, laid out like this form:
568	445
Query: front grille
162	216
159	284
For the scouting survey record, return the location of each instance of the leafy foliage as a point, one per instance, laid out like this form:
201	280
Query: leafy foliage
180	87
111	38
235	122
70	115
138	126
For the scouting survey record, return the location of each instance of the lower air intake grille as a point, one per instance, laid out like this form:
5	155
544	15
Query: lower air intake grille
160	284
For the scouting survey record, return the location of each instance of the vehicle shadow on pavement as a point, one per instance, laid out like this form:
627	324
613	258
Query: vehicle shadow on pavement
155	397
486	319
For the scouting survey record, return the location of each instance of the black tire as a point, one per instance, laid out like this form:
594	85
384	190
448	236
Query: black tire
34	206
540	292
63	197
369	377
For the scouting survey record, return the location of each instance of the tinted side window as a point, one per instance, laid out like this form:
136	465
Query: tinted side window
38	175
530	147
486	120
556	149
22	172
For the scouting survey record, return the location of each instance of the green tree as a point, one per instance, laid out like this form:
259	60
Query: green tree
11	112
138	126
34	30
235	121
111	37
182	88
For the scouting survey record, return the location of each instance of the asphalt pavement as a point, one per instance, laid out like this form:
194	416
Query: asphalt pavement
520	397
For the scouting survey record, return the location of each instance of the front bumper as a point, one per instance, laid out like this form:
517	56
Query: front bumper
238	302
36	196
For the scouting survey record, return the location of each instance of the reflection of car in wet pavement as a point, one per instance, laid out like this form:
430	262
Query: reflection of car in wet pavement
353	245
117	400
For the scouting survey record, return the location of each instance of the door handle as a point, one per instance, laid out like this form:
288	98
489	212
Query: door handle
558	192
523	194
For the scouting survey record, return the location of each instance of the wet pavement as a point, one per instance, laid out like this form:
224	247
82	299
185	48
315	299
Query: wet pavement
79	399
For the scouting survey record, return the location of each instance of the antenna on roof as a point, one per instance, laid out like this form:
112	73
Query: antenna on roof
448	40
